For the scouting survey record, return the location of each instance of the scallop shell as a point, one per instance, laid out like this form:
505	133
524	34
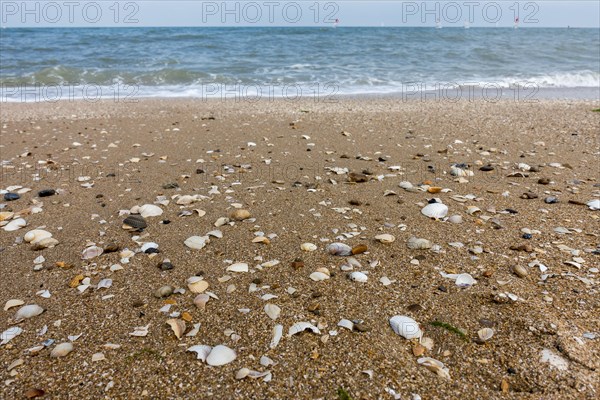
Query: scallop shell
272	311
178	326
277	334
201	300
485	334
238	267
36	235
91	252
196	242
220	355
62	350
418	243
134	222
10	334
465	280
196	284
339	249
358	276
406	327
385	238
150	210
308	246
594	204
28	311
15	224
202	351
435	210
301	327
434	366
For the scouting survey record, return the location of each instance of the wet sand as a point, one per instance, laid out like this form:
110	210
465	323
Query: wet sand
132	152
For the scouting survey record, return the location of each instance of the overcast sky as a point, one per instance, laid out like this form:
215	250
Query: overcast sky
71	13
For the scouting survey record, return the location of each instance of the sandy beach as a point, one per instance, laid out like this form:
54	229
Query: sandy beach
307	172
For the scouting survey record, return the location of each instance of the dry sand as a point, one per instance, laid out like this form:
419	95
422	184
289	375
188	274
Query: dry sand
295	198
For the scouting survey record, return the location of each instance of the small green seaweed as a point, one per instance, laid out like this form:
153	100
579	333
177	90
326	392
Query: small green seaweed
343	394
450	328
596	110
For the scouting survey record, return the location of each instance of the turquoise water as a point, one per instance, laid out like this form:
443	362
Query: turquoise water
194	61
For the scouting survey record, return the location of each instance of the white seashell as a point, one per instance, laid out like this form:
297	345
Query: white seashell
46	243
150	210
36	235
104	284
29	311
406	327
215	233
91	252
10	334
220	355
196	242
202	351
308	246
435	366
15	224
344	323
418	243
201	300
301	327
594	204
456	171
405	185
277	334
435	210
13	303
238	267
140	331
385	281
221	221
149	245
242	373
385	238
62	350
98	357
194	331
455	219
178	326
465	280
358	276
272	311
196	284
473	209
485	334
339	249
318	276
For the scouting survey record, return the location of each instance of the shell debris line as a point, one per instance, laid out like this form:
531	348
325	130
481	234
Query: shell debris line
361	249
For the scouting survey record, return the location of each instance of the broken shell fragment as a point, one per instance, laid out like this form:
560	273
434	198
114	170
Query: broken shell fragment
150	210
406	327
13	303
485	334
239	215
277	334
10	334
201	300
594	204
202	351
178	326
301	327
29	311
418	243
196	242
359	249
272	311
62	350
318	276
238	267
15	224
46	243
339	249
435	210
308	247
385	238
434	366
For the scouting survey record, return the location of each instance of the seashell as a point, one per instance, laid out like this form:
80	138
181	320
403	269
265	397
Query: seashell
164	291
215	233
104	284
28	311
358	276
178	326
339	249
344	323
196	284
277	334
485	334
434	366
149	245
238	267
220	355
36	235
242	373
91	252
150	210
201	300
308	247
261	239
435	210
62	350
455	219
202	351
46	243
10	334
465	280
134	222
13	303
196	242
594	204
272	311
385	238
473	209
301	327
406	185
456	170
520	271
140	331
418	243
185	200
239	215
318	276
98	357
15	224
406	327
194	331
221	221
6	215
359	249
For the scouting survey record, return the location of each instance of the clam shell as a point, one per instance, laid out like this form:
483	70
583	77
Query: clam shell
277	334
485	334
135	222
178	326
308	246
62	350
406	327
339	249
473	209
520	271
239	215
15	224
318	276
46	243
434	366
10	334
201	300
418	243
220	355
149	245
164	291
196	284
36	235
196	242
435	210
465	280
456	171
91	252
455	219
385	238
238	267
301	327
150	210
202	351
405	185
272	311
28	311
13	303
6	215
221	221
358	276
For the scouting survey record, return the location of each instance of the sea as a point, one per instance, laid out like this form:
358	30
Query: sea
292	62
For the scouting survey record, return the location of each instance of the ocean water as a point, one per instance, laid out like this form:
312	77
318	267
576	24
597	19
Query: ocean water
212	62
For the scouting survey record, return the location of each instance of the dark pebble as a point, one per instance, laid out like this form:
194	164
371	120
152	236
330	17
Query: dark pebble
354	202
414	308
511	211
152	250
486	168
11	196
442	289
511	371
577	202
166	266
135	221
257	281
551	200
111	248
199	171
544	181
172	185
527	236
529	195
166	221
361	328
46	193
